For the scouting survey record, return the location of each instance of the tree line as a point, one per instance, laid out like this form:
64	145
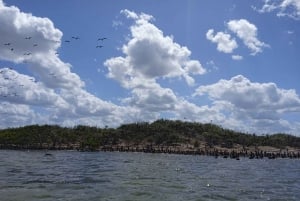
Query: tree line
161	132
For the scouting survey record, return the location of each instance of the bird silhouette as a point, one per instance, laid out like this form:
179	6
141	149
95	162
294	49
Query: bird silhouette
34	45
75	37
11	49
102	39
28	38
7	44
99	46
67	41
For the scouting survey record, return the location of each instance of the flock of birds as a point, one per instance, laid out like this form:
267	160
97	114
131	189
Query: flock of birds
9	88
8	75
9	44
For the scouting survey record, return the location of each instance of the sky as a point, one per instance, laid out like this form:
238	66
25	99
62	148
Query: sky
97	63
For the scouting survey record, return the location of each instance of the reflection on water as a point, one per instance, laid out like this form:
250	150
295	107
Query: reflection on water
71	175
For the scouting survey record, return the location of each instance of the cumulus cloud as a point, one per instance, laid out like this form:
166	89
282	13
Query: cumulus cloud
155	99
288	8
244	30
53	89
150	55
243	93
247	32
24	89
254	102
224	42
12	115
34	41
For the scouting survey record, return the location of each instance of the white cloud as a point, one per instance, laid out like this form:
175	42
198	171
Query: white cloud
244	30
192	112
23	89
245	94
34	40
288	8
255	103
224	42
248	33
237	57
16	26
153	99
151	55
12	115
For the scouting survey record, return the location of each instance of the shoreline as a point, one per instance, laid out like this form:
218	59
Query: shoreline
214	152
234	153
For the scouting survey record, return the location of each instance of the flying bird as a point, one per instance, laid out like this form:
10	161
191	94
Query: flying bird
28	38
27	53
7	44
102	39
67	41
75	37
34	45
11	49
99	46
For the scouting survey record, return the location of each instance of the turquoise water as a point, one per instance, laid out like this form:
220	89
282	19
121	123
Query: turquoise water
71	175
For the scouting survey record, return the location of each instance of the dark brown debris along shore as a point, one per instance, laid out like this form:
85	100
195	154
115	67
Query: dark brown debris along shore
217	153
233	154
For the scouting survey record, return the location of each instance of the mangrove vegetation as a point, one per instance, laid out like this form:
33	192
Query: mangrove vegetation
158	133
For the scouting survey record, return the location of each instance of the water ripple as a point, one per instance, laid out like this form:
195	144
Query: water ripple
129	176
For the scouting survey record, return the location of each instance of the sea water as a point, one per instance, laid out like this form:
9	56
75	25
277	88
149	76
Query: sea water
91	176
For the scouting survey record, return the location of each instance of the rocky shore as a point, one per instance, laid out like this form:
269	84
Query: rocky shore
217	152
214	152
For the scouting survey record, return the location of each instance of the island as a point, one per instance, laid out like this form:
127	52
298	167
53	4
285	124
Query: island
160	136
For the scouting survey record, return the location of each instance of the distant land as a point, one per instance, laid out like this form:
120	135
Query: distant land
168	136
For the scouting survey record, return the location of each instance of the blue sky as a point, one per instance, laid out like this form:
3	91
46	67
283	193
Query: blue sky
234	63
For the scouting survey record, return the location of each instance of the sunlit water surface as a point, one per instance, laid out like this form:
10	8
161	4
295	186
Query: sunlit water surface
71	175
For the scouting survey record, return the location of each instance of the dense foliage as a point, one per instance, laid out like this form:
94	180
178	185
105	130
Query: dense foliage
160	132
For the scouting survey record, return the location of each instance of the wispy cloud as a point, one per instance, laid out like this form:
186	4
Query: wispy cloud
283	8
237	57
